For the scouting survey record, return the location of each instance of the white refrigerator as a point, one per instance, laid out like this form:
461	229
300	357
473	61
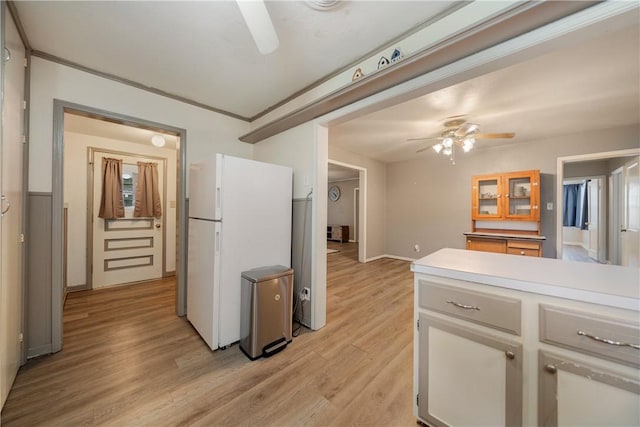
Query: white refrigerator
239	219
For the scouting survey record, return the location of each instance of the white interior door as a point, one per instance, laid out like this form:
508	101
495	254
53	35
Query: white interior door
630	231
11	223
594	218
127	249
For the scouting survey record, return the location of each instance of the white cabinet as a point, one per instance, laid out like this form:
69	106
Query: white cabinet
578	392
575	393
498	350
467	378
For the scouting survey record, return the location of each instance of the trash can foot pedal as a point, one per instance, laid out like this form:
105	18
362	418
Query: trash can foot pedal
274	347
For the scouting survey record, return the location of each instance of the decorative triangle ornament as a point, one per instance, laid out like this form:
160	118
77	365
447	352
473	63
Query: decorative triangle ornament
357	74
396	55
383	62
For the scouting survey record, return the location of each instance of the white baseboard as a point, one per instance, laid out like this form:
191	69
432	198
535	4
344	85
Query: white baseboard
401	258
375	258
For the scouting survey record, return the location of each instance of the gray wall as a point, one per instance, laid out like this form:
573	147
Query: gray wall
301	263
39	275
585	169
376	197
429	199
341	211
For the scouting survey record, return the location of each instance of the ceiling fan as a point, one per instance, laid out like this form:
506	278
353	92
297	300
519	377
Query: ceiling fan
256	16
458	132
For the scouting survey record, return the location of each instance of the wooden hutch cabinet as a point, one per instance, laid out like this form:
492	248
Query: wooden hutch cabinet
513	196
505	213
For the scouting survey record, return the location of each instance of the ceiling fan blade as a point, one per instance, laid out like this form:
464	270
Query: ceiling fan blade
505	135
424	139
422	150
465	129
257	18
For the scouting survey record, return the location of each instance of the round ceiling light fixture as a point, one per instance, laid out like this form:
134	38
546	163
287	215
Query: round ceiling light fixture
322	5
158	140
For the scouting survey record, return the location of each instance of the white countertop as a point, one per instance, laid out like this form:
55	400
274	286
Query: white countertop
596	283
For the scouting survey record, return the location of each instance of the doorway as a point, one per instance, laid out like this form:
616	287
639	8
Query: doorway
346	211
132	248
64	112
618	194
584	219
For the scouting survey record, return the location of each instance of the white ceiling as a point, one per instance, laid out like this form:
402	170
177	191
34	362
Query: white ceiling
593	86
203	51
88	126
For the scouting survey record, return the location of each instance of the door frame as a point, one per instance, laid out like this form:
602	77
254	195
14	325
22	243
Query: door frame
362	225
356	214
57	209
90	204
560	179
616	190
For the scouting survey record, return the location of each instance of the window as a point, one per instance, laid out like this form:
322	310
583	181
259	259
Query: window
129	180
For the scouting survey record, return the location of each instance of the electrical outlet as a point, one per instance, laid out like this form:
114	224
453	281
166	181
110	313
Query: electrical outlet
305	294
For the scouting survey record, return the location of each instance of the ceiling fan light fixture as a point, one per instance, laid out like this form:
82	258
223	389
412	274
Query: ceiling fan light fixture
447	151
447	142
257	18
467	144
437	148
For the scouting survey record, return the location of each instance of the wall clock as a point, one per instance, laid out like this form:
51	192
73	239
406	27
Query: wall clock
334	193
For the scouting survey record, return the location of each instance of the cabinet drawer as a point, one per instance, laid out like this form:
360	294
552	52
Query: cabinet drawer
488	310
523	252
487	245
516	247
594	335
517	244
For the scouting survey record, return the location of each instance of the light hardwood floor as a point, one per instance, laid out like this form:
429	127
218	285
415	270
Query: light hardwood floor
128	360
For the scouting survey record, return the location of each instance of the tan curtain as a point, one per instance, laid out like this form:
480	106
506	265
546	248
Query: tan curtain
147	192
111	204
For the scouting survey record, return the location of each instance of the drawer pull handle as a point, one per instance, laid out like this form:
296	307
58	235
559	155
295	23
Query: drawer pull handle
610	342
467	307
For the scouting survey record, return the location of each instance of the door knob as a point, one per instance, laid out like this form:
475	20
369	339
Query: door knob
157	225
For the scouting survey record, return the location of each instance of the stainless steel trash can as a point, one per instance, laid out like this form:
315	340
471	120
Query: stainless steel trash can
266	303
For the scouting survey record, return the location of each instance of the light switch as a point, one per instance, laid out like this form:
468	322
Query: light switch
549	206
172	203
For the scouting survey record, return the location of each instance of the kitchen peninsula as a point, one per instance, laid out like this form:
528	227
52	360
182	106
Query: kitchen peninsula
512	340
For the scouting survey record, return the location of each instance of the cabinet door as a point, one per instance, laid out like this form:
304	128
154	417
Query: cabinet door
486	197
521	196
573	393
467	378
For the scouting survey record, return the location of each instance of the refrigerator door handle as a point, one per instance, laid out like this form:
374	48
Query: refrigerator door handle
218	201
217	241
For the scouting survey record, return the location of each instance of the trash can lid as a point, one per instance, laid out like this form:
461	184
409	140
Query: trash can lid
262	274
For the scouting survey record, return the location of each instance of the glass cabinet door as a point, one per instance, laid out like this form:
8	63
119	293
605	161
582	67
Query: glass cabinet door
487	198
520	196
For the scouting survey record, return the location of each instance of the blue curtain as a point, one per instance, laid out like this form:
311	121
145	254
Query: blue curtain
576	205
